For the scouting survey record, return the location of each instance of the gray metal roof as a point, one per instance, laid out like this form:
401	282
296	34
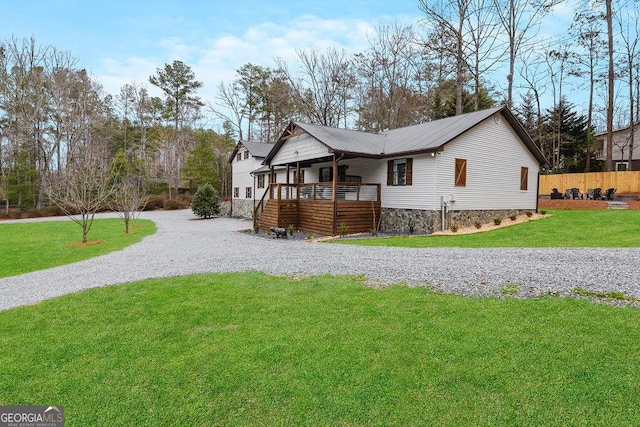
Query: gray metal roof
257	149
425	137
433	135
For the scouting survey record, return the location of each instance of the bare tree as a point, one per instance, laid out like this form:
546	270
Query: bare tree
83	187
630	38
324	91
452	17
588	33
520	20
389	93
128	199
610	88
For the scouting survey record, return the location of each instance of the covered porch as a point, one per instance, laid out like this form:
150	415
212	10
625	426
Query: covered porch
327	208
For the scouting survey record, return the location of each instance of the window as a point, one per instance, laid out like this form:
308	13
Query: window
524	178
246	154
400	172
461	173
326	174
261	180
238	157
247	192
236	192
622	166
301	181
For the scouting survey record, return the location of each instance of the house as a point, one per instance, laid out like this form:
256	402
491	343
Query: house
422	178
621	148
250	178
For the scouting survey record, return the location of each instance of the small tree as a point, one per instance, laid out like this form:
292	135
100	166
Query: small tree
83	187
206	202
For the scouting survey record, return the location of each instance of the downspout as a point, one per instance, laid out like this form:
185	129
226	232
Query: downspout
334	194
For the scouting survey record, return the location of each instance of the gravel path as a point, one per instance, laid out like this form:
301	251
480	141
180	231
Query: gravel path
185	245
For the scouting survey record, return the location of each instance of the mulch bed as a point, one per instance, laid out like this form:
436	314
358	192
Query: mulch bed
581	204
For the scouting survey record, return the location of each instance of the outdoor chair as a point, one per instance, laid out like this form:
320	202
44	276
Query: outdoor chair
576	194
608	195
567	193
597	194
589	194
555	194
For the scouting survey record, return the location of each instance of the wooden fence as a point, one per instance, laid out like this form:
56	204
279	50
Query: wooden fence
624	181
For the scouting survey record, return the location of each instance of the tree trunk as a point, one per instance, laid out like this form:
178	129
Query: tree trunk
611	78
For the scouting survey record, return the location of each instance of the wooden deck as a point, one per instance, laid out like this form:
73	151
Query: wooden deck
313	209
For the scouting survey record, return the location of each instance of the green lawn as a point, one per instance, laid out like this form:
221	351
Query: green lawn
562	228
252	349
32	246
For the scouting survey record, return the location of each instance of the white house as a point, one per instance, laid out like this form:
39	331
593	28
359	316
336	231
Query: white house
467	168
249	179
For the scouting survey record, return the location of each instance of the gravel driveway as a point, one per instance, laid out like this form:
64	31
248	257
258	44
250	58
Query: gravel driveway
184	244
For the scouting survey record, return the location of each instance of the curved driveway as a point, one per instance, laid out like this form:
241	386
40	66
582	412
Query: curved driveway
185	245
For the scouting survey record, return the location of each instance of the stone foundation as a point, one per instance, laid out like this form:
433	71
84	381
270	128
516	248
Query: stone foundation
242	208
415	221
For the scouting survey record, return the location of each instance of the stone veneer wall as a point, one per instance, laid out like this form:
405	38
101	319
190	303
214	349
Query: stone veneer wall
242	208
427	222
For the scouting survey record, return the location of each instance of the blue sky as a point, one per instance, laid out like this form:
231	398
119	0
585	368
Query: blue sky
122	41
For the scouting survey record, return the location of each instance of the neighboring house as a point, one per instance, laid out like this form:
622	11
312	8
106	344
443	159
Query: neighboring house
621	148
462	169
250	179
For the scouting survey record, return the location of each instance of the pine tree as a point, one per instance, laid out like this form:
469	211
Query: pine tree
205	202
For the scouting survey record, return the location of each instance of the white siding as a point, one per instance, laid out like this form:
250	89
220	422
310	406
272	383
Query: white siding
495	156
299	148
420	194
241	175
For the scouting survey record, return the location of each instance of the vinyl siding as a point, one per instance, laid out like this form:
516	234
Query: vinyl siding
299	148
495	156
420	194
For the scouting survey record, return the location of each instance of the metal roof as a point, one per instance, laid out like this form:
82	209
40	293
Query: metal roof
259	150
425	137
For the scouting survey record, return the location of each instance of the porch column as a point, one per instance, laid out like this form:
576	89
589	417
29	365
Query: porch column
335	194
287	180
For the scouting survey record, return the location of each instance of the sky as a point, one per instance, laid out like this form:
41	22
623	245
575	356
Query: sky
125	41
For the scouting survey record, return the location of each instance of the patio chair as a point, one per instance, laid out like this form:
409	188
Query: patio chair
567	193
576	194
597	194
608	195
555	194
589	193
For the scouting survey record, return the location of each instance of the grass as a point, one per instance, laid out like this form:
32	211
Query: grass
253	349
562	228
35	246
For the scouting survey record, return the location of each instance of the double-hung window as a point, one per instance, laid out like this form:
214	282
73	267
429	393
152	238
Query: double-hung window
400	172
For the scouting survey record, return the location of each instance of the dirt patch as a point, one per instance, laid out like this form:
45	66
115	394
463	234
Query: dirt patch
506	222
89	243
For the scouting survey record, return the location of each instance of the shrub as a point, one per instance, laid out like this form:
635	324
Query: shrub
543	212
497	221
513	217
206	202
478	224
454	227
343	229
291	229
155	202
173	204
529	214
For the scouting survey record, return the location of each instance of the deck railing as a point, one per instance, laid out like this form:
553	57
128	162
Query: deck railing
324	191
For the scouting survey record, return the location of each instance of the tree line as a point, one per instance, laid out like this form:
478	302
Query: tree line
52	111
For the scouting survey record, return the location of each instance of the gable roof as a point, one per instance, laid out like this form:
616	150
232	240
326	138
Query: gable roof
258	150
425	137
